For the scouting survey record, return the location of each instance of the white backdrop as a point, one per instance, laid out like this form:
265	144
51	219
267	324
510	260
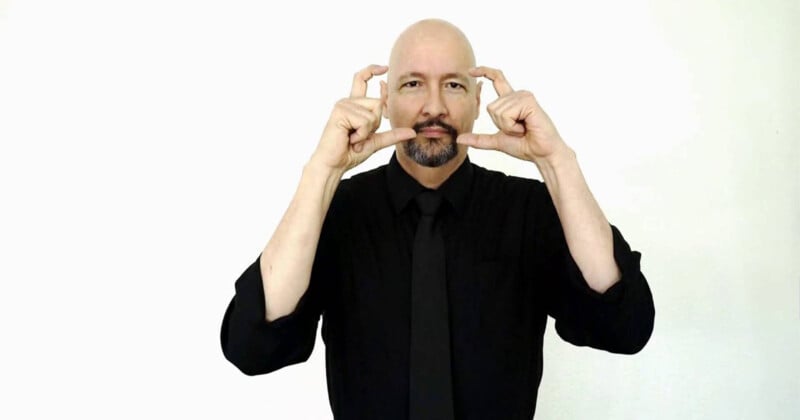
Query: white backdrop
149	149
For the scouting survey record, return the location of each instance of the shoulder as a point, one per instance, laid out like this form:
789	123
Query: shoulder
367	181
492	182
359	187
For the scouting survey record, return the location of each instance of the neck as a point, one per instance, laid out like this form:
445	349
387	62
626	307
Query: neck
430	177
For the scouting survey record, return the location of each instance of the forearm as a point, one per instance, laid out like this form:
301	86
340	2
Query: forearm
586	229
288	257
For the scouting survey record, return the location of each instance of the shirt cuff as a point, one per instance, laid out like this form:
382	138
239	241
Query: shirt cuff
628	263
251	305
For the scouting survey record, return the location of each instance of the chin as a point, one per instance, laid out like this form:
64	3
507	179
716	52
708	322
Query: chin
431	152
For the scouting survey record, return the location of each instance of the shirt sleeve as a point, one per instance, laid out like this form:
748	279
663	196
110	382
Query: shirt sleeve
619	320
257	346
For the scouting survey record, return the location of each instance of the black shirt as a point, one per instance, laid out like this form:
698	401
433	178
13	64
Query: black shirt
508	268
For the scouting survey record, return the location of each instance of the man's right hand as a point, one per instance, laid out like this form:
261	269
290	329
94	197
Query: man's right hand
350	135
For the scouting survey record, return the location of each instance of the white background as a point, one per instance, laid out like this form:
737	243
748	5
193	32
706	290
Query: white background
149	148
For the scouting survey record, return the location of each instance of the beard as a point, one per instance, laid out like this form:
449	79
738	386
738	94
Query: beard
437	151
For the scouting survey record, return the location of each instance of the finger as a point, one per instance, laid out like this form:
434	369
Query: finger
361	78
387	138
517	129
508	114
501	85
373	105
500	141
495	119
358	120
501	104
499	111
359	135
509	117
363	106
480	141
491	109
362	133
371	110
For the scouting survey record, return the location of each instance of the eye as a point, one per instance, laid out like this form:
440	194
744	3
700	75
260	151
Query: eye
413	83
455	85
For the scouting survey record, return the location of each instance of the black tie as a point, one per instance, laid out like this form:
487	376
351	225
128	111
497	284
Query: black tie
430	379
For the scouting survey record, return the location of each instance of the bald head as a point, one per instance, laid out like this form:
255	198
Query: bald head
431	37
429	89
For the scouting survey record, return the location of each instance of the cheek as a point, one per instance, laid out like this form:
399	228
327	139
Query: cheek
402	109
462	111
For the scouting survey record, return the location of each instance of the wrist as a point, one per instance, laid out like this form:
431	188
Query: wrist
316	167
561	157
318	178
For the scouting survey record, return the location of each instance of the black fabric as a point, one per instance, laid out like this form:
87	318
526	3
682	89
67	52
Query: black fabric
430	388
508	268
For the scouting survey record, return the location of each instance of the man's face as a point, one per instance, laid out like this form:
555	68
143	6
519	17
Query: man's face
430	90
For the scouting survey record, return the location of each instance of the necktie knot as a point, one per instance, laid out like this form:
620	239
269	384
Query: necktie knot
429	202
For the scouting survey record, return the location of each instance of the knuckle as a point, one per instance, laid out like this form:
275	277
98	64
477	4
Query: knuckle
368	103
356	120
358	102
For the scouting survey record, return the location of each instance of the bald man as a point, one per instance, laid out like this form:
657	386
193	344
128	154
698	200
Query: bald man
514	250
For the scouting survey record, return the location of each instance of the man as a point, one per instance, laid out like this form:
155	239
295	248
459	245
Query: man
445	321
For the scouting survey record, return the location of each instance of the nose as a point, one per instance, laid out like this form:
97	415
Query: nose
434	106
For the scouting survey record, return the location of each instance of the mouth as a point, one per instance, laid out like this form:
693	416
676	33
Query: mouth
434	132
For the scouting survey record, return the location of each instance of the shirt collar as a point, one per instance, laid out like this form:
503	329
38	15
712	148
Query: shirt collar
402	187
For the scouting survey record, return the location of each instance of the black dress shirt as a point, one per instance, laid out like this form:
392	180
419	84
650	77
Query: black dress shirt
508	268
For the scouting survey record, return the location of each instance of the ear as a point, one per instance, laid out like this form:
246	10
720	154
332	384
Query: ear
478	99
384	97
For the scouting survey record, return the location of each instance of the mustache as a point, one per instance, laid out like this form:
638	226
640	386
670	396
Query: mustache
436	123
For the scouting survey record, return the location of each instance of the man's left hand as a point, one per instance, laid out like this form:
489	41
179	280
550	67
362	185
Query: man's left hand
526	132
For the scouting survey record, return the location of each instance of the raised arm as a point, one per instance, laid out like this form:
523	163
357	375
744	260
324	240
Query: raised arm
591	280
526	132
269	324
349	138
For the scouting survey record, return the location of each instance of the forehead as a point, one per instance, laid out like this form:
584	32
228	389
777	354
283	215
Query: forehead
430	59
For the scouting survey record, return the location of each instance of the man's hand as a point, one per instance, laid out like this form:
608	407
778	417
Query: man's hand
526	132
350	135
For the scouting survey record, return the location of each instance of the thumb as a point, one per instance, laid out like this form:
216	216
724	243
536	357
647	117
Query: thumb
387	138
480	141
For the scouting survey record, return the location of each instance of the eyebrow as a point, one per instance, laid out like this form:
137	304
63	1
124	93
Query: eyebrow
419	75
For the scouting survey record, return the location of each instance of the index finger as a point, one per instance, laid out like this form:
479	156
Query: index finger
499	81
359	89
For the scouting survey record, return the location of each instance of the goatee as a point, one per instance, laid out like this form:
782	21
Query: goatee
446	152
